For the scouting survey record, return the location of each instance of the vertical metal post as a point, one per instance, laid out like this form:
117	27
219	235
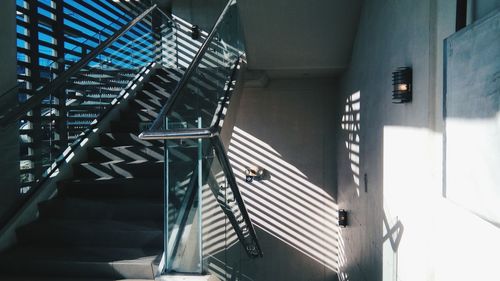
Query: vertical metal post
166	189
61	123
35	78
156	28
200	198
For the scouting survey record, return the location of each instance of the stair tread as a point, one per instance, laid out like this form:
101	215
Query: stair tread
135	181
119	209
107	201
123	138
77	233
123	163
137	255
126	153
107	222
116	263
38	278
128	209
112	187
92	225
119	169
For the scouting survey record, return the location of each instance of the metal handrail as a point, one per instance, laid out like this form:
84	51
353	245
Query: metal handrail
63	158
213	134
166	109
177	134
169	18
194	133
18	111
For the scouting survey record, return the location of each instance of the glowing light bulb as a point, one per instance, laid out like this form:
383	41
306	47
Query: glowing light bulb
402	87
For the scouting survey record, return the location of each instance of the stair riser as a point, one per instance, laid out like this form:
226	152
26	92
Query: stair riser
130	127
91	238
152	105
103	154
118	170
153	189
46	268
96	211
121	139
107	221
139	116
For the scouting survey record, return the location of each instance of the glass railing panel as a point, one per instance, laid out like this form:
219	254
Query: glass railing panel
184	44
182	203
203	90
206	214
212	216
74	52
218	235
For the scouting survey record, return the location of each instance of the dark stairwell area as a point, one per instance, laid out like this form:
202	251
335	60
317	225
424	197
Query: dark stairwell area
106	221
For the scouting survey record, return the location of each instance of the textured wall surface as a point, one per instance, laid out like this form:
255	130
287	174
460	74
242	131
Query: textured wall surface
390	156
287	128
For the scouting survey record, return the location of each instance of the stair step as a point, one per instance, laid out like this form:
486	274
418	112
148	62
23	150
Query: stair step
139	105
91	233
143	115
129	127
126	153
121	139
107	222
113	188
153	93
102	209
115	169
25	277
87	262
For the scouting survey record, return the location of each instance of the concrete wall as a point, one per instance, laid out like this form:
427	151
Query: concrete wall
9	137
203	13
481	8
291	37
287	129
390	157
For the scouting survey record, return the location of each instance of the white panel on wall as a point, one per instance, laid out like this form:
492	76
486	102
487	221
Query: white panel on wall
472	113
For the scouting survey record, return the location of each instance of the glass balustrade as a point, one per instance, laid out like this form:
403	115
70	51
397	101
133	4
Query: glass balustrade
206	213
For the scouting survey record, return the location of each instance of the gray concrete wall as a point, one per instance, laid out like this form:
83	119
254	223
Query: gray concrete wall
203	13
288	128
390	157
9	137
164	5
481	8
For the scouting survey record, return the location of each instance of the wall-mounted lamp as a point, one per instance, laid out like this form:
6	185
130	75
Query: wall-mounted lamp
256	173
343	218
401	82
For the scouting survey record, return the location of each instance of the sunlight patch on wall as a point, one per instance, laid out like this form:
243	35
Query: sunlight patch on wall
409	190
287	206
218	233
351	123
342	259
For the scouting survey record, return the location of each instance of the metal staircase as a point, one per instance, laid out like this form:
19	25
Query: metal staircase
134	207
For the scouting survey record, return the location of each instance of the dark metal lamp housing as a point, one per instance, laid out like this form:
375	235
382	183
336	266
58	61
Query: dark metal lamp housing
342	218
401	82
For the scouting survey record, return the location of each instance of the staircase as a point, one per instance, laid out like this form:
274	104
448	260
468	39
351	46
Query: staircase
107	221
111	219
